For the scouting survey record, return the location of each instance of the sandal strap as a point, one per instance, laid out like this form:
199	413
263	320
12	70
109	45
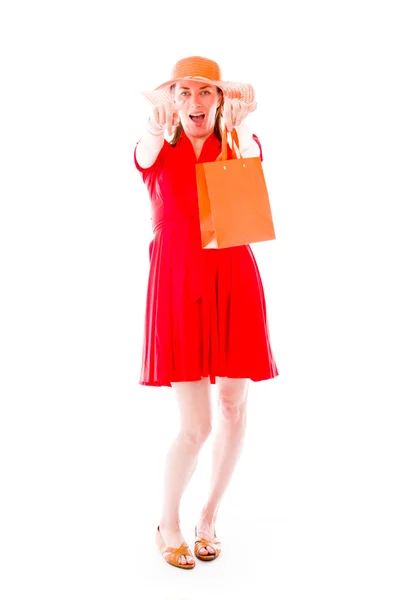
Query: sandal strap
171	555
176	552
173	558
165	548
202	542
183	549
208	539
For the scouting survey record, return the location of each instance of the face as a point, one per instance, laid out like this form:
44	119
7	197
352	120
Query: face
196	103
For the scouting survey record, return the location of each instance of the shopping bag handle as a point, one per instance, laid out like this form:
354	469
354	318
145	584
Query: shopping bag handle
235	143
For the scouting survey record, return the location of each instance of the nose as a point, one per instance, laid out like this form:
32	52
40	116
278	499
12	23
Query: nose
195	98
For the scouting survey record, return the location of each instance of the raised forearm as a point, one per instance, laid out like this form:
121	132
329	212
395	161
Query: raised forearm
150	145
163	117
248	146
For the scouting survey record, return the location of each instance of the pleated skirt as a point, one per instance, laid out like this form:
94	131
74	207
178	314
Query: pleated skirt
223	333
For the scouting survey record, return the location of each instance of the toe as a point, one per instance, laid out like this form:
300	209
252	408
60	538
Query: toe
210	549
182	560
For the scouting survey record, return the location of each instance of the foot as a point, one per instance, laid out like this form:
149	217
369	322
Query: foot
206	529
173	537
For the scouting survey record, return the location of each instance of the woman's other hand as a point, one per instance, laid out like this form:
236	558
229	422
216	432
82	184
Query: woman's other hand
235	111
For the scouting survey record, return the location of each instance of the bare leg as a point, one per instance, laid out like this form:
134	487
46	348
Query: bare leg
227	448
194	401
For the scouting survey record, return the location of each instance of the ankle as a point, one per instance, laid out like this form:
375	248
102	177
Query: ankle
170	524
208	515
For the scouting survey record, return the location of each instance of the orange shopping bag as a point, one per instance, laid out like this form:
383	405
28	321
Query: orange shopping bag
234	204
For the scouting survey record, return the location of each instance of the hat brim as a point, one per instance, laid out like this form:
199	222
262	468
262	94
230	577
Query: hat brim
231	89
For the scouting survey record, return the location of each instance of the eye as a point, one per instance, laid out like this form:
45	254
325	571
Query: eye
182	93
206	92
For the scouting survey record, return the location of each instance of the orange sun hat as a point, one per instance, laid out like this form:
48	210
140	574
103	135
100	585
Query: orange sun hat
198	68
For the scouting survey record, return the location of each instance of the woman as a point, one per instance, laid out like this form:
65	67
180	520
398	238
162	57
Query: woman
206	317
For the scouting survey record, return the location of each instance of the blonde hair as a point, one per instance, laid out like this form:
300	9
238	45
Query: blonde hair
218	120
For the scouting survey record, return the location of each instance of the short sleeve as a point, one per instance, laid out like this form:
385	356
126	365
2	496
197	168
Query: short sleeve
258	142
149	173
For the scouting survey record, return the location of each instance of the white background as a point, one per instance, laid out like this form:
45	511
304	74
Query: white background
316	507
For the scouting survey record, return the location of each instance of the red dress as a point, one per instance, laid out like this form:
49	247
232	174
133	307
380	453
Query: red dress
205	310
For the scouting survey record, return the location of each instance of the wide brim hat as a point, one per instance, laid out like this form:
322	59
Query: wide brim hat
198	68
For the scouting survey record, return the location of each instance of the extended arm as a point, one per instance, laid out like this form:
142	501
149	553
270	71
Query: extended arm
248	145
234	116
163	117
150	145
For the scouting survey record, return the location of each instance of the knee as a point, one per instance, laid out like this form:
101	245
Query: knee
195	436
232	408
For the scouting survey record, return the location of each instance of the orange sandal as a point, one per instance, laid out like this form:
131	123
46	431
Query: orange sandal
201	542
173	554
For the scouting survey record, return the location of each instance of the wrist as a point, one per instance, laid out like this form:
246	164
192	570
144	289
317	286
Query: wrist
155	128
244	134
247	144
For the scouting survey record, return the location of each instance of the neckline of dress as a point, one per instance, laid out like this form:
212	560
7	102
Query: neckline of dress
210	140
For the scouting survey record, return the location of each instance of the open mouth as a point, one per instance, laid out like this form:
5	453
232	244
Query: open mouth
197	118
